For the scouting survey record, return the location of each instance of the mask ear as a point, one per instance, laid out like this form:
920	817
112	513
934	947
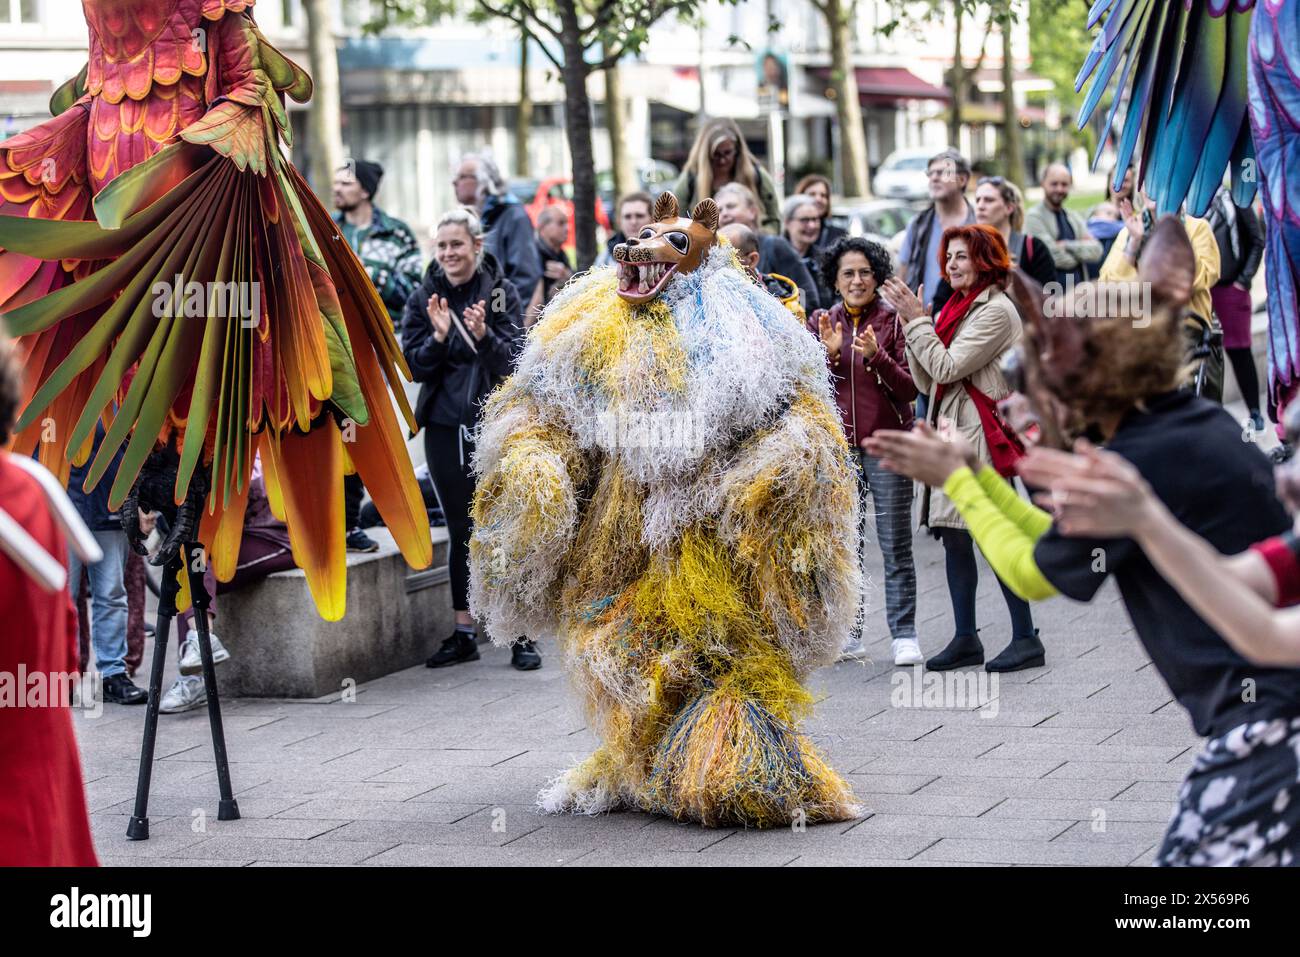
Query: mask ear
666	207
706	214
1168	263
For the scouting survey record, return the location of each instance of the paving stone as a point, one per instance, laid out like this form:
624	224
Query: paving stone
422	765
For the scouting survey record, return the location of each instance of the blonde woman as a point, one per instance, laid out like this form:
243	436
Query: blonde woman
719	157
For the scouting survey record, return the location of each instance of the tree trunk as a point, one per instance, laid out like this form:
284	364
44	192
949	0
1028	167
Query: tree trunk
625	178
853	138
1011	146
577	126
524	120
324	120
958	80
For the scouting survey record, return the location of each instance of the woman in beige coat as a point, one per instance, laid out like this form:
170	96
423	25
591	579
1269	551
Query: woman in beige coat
954	358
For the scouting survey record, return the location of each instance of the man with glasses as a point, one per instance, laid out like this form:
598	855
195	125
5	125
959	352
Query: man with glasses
948	173
507	229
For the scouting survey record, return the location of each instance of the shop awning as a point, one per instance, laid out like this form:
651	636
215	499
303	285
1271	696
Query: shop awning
891	83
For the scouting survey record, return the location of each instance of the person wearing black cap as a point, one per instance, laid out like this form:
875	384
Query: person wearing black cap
389	251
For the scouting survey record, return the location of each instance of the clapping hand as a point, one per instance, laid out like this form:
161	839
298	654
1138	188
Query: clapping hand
864	343
476	320
905	302
439	317
832	335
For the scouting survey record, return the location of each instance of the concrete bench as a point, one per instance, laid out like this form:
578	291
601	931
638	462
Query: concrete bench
281	648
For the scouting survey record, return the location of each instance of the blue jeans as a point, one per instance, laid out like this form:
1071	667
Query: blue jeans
107	601
891	494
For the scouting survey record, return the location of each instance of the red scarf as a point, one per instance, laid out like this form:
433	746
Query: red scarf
1005	447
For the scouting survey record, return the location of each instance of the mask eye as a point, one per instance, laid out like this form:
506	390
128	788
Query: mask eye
679	241
646	233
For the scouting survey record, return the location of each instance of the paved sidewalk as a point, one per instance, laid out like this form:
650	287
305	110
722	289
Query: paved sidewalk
1075	763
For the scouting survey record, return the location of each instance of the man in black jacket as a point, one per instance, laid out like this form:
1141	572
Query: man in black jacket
507	230
736	204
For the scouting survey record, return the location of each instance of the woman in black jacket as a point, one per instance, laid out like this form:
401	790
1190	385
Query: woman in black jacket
461	332
1241	247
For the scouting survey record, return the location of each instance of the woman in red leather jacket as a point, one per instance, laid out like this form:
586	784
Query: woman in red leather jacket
874	390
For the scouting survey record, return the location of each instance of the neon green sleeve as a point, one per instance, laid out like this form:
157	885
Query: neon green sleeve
1007	545
1029	518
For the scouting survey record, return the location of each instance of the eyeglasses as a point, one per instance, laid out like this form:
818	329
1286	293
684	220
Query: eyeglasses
991	181
806	220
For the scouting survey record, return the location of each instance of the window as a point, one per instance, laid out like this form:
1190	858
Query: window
20	11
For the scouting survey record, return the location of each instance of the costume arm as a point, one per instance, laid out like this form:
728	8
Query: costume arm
525	515
788	506
1006	538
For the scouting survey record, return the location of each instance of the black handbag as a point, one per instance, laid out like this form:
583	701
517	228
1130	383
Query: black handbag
1205	353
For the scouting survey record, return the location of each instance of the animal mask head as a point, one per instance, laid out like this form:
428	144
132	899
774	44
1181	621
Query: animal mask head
1097	354
669	246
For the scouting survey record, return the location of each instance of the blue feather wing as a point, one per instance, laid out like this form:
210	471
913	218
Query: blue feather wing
1181	83
1275	120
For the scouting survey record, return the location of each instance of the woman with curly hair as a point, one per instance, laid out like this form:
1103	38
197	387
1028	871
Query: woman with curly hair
718	157
954	358
874	390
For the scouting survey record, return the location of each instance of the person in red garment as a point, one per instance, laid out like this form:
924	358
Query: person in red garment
43	820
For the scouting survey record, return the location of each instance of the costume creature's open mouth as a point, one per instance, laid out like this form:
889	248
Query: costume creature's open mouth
640	282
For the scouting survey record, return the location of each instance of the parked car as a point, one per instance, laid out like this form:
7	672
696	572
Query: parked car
654	176
902	175
881	220
554	191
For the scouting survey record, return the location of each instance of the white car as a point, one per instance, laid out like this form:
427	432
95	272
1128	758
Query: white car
902	175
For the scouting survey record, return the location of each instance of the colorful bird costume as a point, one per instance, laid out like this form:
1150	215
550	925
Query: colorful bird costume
664	487
1210	86
166	268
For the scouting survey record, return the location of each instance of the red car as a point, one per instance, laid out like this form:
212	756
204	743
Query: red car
555	191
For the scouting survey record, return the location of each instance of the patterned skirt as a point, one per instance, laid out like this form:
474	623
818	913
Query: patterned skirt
1240	804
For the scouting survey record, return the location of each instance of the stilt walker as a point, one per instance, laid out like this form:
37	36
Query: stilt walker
166	270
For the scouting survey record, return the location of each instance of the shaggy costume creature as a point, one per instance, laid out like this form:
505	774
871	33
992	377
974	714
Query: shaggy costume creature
665	488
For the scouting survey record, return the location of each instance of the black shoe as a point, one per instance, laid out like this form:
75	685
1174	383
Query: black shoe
119	689
460	647
964	651
359	541
1281	454
1020	654
524	656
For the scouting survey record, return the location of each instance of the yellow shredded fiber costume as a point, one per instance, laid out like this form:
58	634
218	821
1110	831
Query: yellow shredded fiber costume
665	489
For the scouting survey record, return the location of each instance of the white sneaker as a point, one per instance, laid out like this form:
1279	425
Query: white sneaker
186	694
907	651
853	650
192	661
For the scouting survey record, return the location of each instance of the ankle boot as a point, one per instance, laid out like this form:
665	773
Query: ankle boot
964	651
1023	652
